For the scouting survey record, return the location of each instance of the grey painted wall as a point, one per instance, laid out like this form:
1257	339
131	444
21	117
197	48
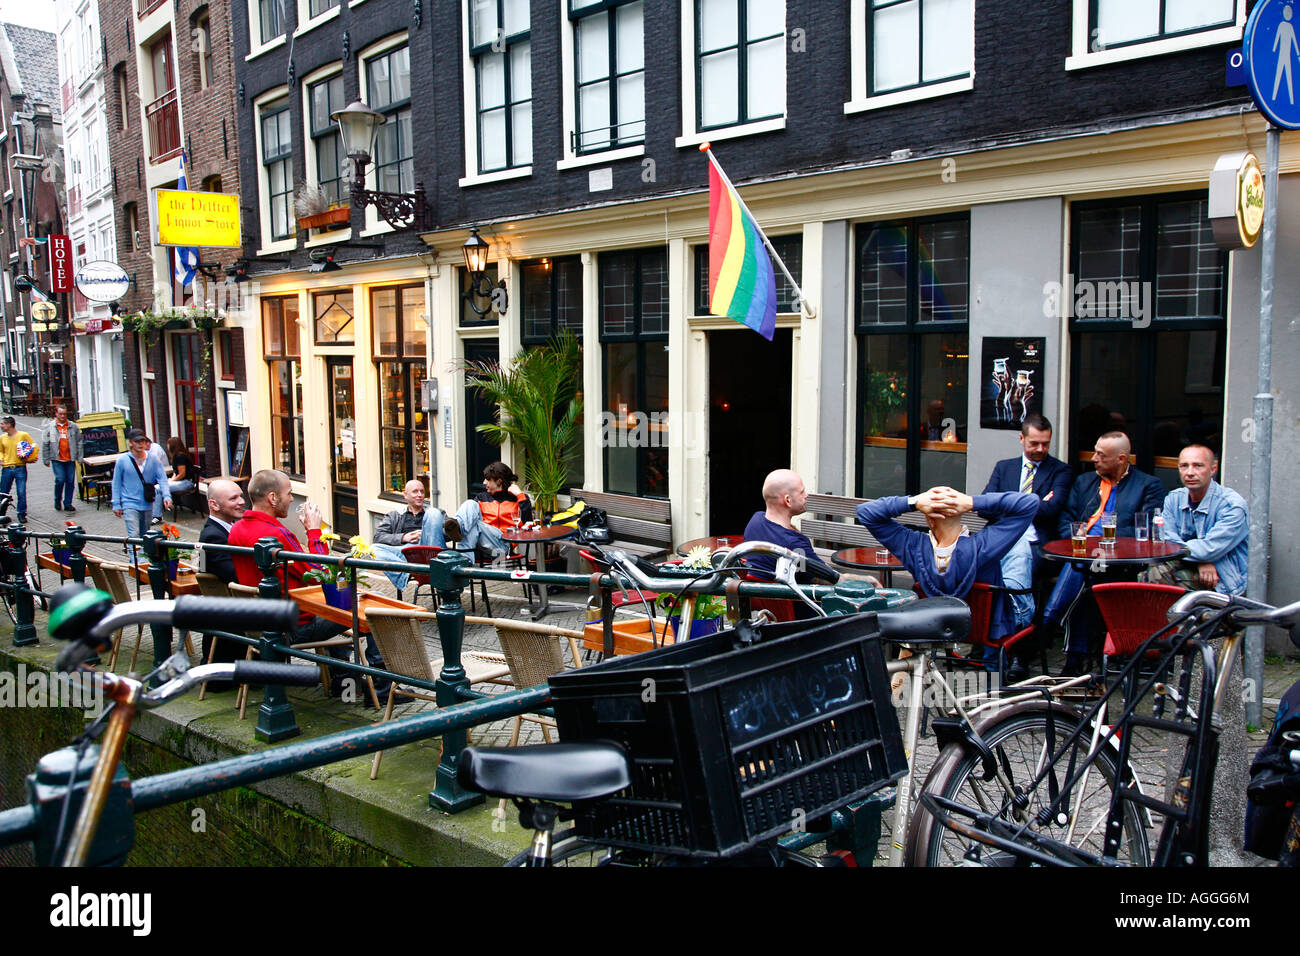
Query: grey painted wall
1016	248
1243	380
837	266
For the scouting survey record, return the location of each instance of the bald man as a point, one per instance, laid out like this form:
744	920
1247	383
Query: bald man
409	525
784	497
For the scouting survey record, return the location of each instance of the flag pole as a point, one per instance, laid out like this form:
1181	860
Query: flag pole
804	307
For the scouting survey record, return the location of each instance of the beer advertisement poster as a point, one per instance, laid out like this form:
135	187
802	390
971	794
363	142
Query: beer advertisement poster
1011	380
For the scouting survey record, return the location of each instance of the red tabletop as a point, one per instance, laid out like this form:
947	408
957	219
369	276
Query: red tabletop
865	559
712	542
1125	551
546	533
312	601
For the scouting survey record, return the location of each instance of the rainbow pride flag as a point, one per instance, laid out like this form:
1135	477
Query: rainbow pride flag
742	285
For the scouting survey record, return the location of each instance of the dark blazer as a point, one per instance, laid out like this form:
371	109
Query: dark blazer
1137	491
1053	476
222	564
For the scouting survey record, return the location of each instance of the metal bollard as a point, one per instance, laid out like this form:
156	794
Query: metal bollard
15	562
74	539
157	554
447	793
275	718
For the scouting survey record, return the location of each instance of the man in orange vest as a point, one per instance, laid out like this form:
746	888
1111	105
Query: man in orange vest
480	521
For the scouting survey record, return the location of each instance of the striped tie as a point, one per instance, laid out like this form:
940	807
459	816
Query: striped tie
1029	478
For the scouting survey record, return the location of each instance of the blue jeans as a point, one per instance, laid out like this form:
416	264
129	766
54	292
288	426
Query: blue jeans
137	523
65	480
431	535
12	475
477	533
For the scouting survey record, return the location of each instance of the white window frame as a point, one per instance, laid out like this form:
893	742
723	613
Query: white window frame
307	22
691	135
375	225
263	182
326	72
469	78
1082	57
859	62
255	45
571	159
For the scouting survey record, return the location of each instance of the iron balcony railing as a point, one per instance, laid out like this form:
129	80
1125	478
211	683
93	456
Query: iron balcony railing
164	127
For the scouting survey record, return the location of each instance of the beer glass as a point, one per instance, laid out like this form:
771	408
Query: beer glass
1079	538
1108	523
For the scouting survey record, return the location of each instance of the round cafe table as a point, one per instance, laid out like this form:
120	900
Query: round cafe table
865	559
1127	551
539	537
712	542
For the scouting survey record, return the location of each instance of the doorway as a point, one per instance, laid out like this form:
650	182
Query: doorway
343	431
749	422
479	452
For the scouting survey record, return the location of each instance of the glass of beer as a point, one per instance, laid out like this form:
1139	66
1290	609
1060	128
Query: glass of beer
1108	523
1079	538
1142	525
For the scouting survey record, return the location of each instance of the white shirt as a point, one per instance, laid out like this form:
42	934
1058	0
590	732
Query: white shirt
1031	533
944	555
224	524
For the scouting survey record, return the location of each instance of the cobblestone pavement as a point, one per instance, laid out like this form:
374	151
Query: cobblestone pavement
1150	753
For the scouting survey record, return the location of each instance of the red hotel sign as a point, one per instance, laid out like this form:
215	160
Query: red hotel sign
60	264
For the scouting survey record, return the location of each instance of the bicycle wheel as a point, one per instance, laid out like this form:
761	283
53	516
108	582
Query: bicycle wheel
568	849
1018	739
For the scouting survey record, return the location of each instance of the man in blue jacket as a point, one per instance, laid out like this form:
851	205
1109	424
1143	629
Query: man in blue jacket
1114	487
948	560
1037	473
1212	521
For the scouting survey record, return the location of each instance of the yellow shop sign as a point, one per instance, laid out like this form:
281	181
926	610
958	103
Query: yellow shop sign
187	218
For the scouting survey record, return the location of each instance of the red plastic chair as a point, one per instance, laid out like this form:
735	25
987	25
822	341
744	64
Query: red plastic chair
980	602
1133	611
780	608
619	599
423	554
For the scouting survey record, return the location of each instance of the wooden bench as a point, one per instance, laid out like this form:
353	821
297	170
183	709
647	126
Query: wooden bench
641	526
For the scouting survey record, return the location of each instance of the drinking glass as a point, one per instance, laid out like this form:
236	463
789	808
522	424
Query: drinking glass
882	556
1142	525
1108	523
724	542
1079	538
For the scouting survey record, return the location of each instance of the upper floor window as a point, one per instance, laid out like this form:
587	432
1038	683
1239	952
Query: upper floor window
323	99
123	90
917	42
1107	31
316	7
388	91
202	36
609	67
269	20
740	61
503	94
277	160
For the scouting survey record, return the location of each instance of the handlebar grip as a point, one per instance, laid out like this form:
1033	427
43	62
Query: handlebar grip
263	672
820	569
193	612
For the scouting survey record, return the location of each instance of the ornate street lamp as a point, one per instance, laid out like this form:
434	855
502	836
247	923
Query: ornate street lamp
480	286
359	129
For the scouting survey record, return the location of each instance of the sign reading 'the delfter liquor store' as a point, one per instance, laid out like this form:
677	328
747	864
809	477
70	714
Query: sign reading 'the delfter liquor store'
60	264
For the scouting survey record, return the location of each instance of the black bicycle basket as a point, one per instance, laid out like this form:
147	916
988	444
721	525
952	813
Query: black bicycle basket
731	747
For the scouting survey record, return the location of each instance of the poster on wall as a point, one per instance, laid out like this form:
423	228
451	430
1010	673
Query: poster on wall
1011	382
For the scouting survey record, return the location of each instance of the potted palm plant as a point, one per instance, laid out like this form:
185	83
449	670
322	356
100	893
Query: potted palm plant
539	409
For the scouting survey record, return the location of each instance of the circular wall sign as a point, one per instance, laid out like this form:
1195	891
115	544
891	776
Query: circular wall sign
102	281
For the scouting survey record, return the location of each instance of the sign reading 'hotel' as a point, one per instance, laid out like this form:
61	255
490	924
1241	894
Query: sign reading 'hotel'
197	219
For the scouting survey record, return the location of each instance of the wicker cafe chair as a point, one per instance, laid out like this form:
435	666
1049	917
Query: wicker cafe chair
346	639
115	579
400	637
210	586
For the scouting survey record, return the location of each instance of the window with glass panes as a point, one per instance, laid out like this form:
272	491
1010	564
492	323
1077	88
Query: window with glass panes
918	42
789	248
634	340
332	311
317	7
1113	23
277	159
609	61
739	61
325	98
550	298
502	55
284	365
912	313
1148	323
269	20
401	334
388	91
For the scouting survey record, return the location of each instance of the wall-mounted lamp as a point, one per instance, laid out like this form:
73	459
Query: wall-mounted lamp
322	259
237	271
480	286
359	128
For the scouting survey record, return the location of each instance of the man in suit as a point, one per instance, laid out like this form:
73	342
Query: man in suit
225	507
1038	473
1114	487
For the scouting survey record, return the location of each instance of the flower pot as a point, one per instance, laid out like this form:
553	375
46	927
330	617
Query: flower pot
700	627
323	220
62	555
173	569
340	598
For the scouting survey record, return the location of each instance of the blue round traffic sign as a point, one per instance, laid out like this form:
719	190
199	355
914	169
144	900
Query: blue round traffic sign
1271	47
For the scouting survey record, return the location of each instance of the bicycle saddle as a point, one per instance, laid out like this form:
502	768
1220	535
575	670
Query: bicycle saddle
562	773
944	620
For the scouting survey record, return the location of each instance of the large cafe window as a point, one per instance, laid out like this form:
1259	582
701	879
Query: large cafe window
1148	321
401	335
284	361
550	297
634	333
912	313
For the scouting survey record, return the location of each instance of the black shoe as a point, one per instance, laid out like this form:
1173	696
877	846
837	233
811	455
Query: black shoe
451	531
22	518
1017	672
70	510
1075	664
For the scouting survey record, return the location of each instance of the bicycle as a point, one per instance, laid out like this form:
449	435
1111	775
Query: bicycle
86	618
1003	832
8	592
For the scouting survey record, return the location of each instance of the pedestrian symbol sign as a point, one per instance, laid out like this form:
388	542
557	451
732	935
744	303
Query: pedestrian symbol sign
1272	50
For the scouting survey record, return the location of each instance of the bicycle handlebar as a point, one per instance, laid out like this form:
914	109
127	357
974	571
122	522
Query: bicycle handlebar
240	672
645	580
1245	611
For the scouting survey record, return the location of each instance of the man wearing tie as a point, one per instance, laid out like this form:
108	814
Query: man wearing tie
1038	473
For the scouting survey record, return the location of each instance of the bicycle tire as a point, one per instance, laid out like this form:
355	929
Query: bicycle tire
9	598
1018	735
570	849
567	849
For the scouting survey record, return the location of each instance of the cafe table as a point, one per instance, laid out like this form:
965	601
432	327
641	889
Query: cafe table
713	542
537	539
867	559
184	583
1126	552
311	600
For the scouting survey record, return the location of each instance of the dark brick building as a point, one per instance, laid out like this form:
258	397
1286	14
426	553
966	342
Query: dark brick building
171	86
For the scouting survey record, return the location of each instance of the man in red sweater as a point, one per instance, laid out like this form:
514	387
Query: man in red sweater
271	496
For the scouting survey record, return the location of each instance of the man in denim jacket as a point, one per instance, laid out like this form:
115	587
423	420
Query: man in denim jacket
1213	523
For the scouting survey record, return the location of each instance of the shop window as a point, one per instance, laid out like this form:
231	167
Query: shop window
912	314
400	346
284	361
